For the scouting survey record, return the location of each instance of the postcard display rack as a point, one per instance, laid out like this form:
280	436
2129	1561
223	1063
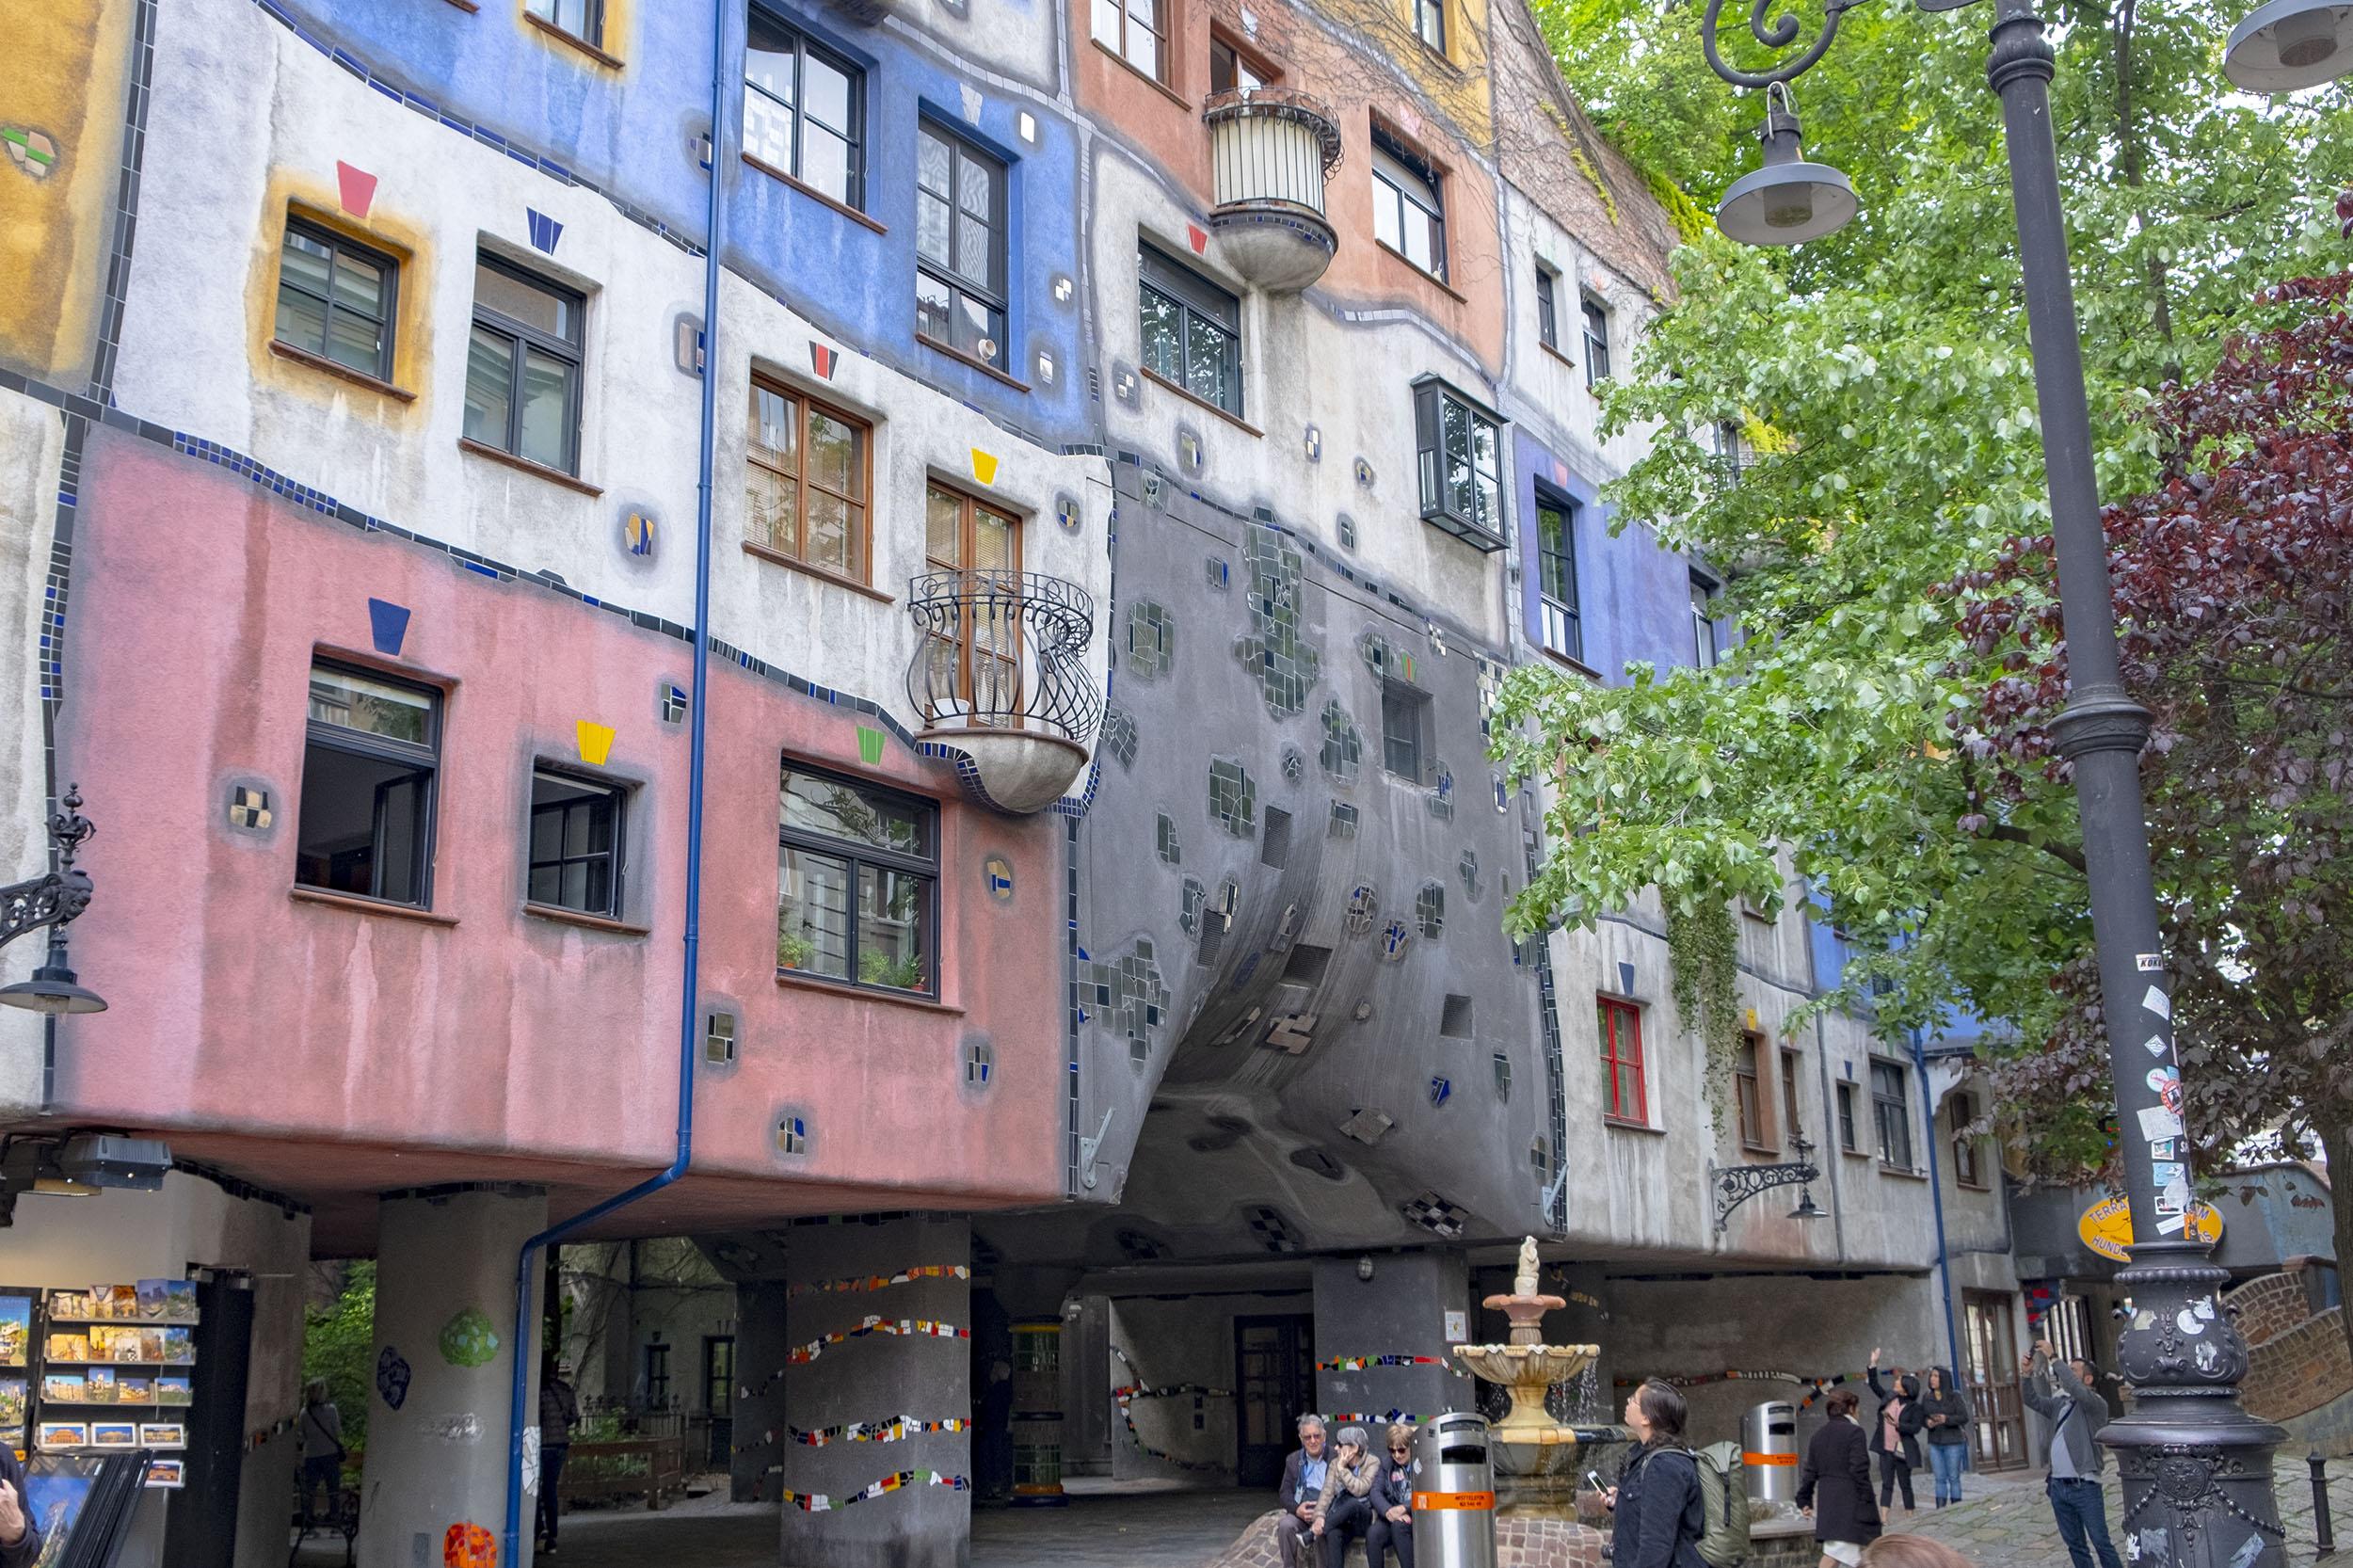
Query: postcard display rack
105	1369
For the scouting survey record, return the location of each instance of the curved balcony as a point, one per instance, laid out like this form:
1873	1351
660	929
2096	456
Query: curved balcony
1272	149
1000	679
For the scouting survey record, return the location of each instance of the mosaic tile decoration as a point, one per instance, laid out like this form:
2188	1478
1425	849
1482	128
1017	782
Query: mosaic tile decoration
1363	474
1503	792
1366	1124
1344	820
1130	998
249	809
545	231
1153	488
1441	797
1287	667
1395	938
1136	1247
1429	910
1315	444
388	626
1221	574
1068	515
1490	675
1233	798
355	189
979	1060
1189	906
1540	1155
1347	532
1436	1215
1467	868
1386	661
1441	1090
1119	735
1343	751
1189	450
1151	639
997	874
1242	975
1364	907
1364	1011
1274	1231
1294	764
673	704
1291	1033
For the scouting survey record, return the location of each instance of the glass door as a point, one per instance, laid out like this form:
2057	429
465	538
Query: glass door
719	1397
1274	1361
980	661
1998	1436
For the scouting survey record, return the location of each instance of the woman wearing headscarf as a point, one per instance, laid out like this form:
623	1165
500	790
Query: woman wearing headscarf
1347	1504
1834	1484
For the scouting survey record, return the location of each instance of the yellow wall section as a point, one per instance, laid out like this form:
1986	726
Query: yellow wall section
618	17
1457	82
319	201
65	79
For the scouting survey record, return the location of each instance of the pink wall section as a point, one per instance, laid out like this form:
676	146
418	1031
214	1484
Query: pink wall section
276	1027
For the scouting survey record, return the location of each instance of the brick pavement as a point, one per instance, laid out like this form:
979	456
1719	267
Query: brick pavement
2005	1521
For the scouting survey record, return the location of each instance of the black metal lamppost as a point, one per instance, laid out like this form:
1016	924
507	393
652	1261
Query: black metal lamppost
52	901
2196	1466
1735	1185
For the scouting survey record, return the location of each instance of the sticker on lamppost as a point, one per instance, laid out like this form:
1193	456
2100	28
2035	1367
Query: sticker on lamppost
2107	1227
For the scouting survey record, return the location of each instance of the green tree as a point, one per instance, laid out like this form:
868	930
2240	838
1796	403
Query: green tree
339	1344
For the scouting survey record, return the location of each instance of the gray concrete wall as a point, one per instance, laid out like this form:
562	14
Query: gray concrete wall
872	1379
1400	1311
761	1344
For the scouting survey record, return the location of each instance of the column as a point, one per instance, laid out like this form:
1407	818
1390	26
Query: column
761	1340
1399	1312
438	1427
923	1372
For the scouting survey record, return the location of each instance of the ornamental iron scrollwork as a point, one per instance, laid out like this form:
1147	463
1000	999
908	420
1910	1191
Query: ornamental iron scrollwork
56	899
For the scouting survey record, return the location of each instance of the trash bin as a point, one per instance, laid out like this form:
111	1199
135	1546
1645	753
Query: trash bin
1769	1447
1454	1494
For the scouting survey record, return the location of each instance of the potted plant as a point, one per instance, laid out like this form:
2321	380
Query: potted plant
793	949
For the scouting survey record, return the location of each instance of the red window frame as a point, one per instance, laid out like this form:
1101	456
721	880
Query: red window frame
1621	1029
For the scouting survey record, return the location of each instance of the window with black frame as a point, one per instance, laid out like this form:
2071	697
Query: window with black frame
576	844
335	298
1408	213
960	245
1706	648
369	764
1555	576
1462	465
1429	22
1547	309
582	19
1596	317
804	110
857	873
1191	330
522	366
1891	1111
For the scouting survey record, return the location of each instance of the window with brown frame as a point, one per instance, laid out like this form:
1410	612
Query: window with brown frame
1748	1097
982	662
1968	1166
1137	32
1234	68
807	480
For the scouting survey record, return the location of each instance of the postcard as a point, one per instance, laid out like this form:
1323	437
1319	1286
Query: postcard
135	1390
101	1385
163	1472
180	1300
69	1347
176	1345
173	1391
68	1304
150	1294
114	1434
63	1434
11	1401
122	1301
132	1344
16	1329
64	1387
56	1485
162	1434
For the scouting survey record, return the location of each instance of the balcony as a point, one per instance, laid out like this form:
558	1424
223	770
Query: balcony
1272	150
1000	679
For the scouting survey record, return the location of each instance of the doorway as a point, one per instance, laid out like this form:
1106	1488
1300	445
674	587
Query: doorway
719	1397
1275	1367
1997	1438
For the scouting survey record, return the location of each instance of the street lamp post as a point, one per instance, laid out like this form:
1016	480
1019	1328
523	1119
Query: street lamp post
2196	1466
52	900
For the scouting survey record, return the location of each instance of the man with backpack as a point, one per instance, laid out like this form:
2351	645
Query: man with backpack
1675	1508
321	1431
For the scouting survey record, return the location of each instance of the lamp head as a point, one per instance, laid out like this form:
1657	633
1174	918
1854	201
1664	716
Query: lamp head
52	990
2289	45
1805	1209
1788	200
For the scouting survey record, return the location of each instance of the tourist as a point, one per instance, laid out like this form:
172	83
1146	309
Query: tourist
1345	1508
1393	1501
1945	1411
559	1412
2061	1393
1300	1494
20	1532
996	1433
322	1434
1912	1551
1834	1484
1895	1435
1657	1500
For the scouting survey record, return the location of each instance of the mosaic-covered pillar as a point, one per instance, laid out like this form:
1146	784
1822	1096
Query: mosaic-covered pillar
1382	1343
877	1318
434	1489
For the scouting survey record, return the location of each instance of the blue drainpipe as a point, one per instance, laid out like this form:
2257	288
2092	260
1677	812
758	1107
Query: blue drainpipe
1936	1194
690	982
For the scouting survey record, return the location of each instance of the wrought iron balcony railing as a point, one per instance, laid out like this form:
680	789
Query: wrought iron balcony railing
1001	676
1271	151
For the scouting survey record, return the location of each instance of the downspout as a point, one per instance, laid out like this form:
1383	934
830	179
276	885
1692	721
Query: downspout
689	980
1936	1196
1830	1134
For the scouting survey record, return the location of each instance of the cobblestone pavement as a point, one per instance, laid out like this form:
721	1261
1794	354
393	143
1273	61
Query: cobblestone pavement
2005	1520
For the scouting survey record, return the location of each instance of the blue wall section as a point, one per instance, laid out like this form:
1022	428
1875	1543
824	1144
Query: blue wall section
635	134
1634	596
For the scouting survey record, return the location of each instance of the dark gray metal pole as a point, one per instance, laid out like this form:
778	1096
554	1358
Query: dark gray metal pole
2197	1468
2322	1532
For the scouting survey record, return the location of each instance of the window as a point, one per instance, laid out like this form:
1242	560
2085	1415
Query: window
856	872
1892	1113
1596	339
719	1375
582	19
1547	310
522	366
368	771
807	471
1407	215
1705	652
658	1377
1621	1093
1968	1168
1845	1119
1231	71
1726	435
804	109
1405	713
1429	22
1191	330
1555	577
576	844
979	666
335	300
1749	1096
1792	1125
1462	465
960	245
1137	32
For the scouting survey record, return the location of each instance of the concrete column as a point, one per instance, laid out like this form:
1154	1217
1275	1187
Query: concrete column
1399	1312
874	1379
761	1342
444	1317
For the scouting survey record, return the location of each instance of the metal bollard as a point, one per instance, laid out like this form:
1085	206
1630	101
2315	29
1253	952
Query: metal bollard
2320	1503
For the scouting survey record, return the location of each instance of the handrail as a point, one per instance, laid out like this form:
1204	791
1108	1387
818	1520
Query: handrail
1004	649
1285	104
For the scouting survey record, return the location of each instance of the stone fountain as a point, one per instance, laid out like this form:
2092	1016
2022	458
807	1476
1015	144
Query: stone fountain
1534	1457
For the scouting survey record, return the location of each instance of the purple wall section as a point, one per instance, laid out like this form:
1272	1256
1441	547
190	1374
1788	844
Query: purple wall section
491	1044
